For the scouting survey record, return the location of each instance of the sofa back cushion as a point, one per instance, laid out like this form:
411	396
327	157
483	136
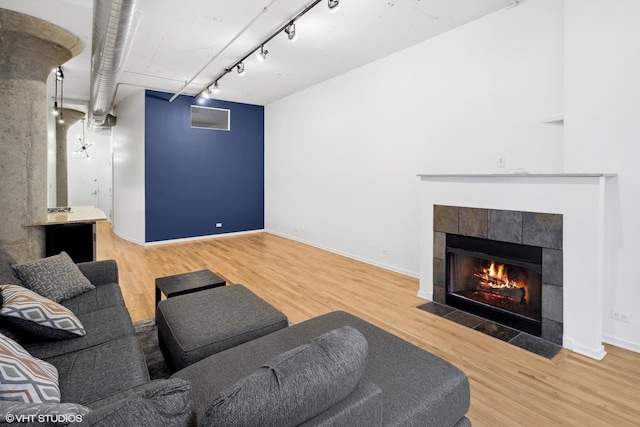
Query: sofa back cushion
7	274
296	385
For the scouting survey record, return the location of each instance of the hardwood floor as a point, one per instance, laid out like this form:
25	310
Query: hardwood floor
509	386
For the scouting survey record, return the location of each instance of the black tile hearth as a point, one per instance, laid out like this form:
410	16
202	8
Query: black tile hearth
497	330
536	345
520	339
437	309
466	319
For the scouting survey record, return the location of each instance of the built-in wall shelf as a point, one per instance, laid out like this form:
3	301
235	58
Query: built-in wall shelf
554	119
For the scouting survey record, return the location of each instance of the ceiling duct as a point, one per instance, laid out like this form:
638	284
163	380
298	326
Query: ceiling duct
114	23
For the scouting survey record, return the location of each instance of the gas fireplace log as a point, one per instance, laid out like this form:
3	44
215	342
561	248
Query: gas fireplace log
513	293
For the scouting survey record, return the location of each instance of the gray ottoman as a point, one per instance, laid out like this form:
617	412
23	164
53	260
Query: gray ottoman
194	326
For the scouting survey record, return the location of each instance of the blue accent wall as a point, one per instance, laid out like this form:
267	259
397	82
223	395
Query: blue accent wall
195	178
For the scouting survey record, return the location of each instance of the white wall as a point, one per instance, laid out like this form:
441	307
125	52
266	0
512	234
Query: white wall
128	169
86	175
341	158
602	133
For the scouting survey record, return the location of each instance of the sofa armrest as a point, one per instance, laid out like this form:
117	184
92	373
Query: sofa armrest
361	408
100	272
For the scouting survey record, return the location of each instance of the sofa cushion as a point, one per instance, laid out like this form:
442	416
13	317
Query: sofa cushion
103	296
7	273
24	378
56	277
157	403
296	385
102	326
194	326
37	315
98	372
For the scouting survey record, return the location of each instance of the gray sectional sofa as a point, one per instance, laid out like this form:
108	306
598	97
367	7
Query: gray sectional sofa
332	370
400	384
103	375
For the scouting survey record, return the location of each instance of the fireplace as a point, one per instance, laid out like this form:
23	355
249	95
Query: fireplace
523	289
498	281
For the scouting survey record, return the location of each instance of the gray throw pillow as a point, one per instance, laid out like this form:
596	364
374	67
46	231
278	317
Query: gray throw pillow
56	277
296	385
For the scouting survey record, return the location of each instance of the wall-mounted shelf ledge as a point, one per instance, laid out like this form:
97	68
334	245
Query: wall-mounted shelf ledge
556	118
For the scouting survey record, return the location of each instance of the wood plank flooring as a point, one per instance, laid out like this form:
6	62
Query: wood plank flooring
509	386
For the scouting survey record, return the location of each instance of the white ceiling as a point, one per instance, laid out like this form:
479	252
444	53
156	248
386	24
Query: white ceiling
175	39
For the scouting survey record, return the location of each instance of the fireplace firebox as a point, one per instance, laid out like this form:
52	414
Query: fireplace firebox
496	280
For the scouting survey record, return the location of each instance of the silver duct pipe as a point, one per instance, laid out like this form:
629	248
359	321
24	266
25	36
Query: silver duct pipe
113	27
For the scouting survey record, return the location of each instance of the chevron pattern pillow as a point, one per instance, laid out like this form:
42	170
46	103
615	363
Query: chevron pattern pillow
24	378
37	315
56	277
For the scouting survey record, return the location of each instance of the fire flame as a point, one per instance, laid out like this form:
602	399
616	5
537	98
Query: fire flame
495	276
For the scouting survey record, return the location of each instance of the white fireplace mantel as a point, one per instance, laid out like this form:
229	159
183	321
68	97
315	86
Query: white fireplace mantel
582	200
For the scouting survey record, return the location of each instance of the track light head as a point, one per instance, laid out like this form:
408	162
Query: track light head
291	31
59	74
215	88
334	5
55	108
240	68
262	55
60	118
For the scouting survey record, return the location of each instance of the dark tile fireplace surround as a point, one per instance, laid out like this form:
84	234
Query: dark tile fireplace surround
533	229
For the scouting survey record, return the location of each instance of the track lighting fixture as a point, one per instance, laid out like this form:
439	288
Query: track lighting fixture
205	94
262	55
291	31
60	117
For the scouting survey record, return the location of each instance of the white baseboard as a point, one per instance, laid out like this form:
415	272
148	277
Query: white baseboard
627	345
209	236
346	254
123	237
425	295
593	353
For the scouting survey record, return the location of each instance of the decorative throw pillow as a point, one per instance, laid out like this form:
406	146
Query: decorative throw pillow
295	386
24	378
37	315
56	277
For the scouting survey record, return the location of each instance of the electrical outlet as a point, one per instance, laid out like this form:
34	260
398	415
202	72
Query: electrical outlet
502	162
218	225
616	315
